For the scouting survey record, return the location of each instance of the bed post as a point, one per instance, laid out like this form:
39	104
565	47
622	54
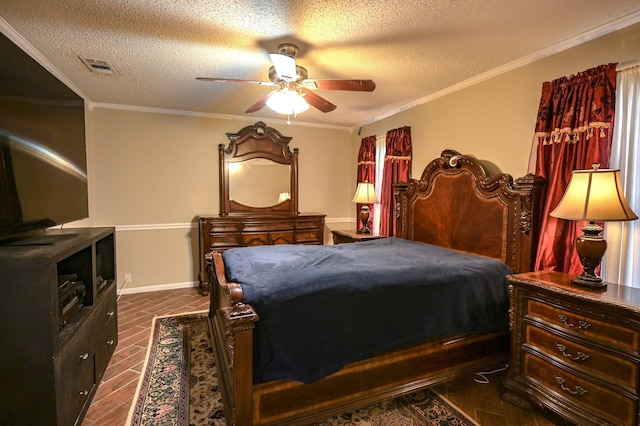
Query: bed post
530	219
239	320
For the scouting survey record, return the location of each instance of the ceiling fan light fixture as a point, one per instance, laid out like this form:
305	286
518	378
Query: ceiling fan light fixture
289	102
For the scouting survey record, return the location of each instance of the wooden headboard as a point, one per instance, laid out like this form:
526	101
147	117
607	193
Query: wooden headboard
456	205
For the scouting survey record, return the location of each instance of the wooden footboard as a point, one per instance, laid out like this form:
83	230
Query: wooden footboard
356	385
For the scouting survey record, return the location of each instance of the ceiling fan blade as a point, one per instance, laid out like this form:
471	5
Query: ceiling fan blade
352	85
285	66
260	104
317	101
235	80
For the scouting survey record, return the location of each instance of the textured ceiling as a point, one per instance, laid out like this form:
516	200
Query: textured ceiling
411	48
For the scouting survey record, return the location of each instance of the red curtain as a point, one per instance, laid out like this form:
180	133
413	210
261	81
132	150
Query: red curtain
366	171
574	129
397	168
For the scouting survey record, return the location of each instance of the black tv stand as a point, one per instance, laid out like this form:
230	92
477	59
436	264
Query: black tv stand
44	239
59	326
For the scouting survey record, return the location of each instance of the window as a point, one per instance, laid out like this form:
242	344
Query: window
381	148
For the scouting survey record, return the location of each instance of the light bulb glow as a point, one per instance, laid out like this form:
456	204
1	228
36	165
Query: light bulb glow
288	102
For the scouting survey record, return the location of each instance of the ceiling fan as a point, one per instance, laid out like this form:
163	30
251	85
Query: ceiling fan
293	80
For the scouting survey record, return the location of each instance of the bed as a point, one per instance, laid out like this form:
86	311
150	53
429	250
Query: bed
455	212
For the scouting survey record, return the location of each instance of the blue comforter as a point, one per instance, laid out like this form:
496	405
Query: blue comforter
322	307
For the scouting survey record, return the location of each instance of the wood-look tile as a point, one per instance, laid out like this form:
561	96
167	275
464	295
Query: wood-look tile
138	336
126	364
113	409
107	387
127	352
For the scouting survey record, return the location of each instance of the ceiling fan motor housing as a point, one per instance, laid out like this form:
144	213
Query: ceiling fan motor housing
301	74
288	49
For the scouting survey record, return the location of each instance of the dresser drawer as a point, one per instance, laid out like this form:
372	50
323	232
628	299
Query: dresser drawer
255	239
284	237
308	237
106	318
75	376
609	404
308	224
581	355
216	227
105	346
607	332
223	241
267	226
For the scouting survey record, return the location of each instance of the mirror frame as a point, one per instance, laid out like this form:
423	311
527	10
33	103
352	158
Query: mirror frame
257	141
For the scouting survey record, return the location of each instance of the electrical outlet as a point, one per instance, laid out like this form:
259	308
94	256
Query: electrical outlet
127	278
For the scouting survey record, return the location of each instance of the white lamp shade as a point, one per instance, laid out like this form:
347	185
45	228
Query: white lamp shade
285	101
365	194
594	195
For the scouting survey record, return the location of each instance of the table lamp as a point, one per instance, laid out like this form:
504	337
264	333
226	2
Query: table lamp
365	195
596	196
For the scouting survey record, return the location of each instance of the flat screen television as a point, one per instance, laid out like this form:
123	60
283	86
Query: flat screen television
43	163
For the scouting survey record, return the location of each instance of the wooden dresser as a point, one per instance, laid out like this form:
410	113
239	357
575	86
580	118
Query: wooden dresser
225	232
258	189
575	350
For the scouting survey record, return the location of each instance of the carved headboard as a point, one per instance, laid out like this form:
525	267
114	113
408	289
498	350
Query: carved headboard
456	205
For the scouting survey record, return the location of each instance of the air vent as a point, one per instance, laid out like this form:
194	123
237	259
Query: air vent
98	65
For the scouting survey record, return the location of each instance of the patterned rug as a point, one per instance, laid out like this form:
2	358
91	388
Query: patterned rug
179	386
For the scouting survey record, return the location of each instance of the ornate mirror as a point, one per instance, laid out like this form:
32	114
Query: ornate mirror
258	172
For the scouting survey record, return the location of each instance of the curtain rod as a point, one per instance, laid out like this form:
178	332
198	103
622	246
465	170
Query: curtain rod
627	65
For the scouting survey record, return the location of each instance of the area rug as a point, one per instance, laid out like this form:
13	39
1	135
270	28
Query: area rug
179	386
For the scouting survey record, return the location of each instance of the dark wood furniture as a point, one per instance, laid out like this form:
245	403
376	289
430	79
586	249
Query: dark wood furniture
223	233
54	355
575	351
258	197
256	168
453	186
347	236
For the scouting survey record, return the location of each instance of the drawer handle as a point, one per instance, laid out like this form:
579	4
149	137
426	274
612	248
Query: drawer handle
110	314
579	390
84	356
84	393
581	356
110	342
582	325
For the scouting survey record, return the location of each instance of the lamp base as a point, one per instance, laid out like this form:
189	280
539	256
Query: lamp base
590	247
364	218
584	280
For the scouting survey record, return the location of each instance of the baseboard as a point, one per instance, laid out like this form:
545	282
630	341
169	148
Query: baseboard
161	287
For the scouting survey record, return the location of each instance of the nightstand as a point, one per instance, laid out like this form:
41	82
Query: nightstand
345	236
574	350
